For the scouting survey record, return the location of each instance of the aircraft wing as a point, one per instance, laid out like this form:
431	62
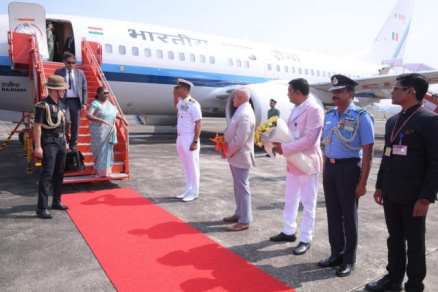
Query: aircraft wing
379	85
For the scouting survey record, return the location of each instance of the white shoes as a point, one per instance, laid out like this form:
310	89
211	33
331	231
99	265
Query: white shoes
189	197
181	196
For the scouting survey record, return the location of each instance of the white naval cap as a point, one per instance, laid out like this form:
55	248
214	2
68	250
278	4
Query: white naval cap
184	83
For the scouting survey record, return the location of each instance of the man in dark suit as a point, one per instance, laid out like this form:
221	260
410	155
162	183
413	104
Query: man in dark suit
69	46
75	98
407	183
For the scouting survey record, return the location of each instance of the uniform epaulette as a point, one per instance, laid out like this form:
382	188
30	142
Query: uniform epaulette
40	105
192	100
359	110
332	110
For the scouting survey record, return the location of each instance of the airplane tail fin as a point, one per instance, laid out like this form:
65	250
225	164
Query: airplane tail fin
389	45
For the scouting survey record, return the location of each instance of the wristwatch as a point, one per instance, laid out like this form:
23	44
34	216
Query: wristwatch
424	201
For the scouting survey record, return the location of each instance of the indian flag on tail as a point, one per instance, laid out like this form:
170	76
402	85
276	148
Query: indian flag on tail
395	36
95	30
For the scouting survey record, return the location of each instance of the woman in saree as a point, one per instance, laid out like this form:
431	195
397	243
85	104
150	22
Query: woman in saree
102	115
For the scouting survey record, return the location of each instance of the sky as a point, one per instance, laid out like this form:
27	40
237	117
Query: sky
333	27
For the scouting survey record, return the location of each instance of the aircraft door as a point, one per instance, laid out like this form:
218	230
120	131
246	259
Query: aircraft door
29	18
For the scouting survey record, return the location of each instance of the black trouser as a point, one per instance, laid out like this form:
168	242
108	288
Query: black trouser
340	182
402	228
74	107
52	169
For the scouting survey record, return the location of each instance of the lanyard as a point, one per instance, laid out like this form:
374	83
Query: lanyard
393	129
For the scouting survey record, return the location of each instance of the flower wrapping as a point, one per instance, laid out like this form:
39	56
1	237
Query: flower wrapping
221	145
281	134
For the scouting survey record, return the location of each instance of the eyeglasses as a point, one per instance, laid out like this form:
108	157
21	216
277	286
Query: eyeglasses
105	92
395	88
71	63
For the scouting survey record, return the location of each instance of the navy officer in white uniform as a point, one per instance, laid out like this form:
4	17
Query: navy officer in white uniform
348	133
187	143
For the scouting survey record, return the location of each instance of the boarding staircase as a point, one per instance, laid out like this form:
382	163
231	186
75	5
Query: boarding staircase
24	55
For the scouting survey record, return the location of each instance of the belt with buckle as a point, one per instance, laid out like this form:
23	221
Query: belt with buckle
56	135
344	160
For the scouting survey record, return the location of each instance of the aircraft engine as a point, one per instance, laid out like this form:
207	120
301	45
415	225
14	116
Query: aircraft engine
261	95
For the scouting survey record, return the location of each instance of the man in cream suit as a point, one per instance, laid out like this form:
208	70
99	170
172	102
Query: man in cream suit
305	124
239	136
75	98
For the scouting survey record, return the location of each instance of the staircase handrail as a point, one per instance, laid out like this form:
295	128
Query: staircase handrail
92	61
36	69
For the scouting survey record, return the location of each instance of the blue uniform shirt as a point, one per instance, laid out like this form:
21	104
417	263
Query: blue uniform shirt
353	128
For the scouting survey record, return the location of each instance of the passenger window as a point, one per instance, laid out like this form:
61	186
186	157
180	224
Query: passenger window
147	53
286	69
306	71
246	64
202	58
170	55
312	72
192	58
108	48
318	73
300	71
159	54
212	61
134	51
269	67
293	70
239	63
277	67
230	62
122	50
182	56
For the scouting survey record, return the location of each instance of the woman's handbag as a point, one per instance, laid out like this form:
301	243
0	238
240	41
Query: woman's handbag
74	161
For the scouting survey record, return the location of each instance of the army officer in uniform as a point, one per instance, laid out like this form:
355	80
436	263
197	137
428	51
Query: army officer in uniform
51	145
187	143
348	133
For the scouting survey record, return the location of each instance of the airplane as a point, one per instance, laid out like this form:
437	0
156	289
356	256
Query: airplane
142	63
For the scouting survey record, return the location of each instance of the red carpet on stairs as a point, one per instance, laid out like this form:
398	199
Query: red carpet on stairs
142	247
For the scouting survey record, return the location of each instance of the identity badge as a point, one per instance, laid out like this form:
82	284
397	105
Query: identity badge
296	134
388	151
400	150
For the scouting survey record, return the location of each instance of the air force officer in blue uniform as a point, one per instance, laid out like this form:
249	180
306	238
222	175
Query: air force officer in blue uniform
348	133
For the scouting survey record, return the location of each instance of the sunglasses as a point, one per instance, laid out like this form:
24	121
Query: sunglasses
105	92
71	63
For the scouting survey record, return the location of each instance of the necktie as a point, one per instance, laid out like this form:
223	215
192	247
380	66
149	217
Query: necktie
69	79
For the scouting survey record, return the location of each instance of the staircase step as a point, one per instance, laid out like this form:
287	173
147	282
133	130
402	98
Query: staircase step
119	168
93	178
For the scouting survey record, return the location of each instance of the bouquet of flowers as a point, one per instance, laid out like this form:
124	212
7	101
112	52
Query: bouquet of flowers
275	130
221	145
264	128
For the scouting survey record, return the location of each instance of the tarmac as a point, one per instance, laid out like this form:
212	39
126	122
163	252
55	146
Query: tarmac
51	255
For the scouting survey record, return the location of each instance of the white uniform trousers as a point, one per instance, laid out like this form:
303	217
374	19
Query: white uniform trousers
304	188
190	162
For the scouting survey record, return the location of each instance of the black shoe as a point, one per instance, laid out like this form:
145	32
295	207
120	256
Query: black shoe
384	284
59	206
301	248
330	262
283	237
345	270
43	214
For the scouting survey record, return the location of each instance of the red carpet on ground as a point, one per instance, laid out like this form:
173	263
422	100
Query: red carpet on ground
142	247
